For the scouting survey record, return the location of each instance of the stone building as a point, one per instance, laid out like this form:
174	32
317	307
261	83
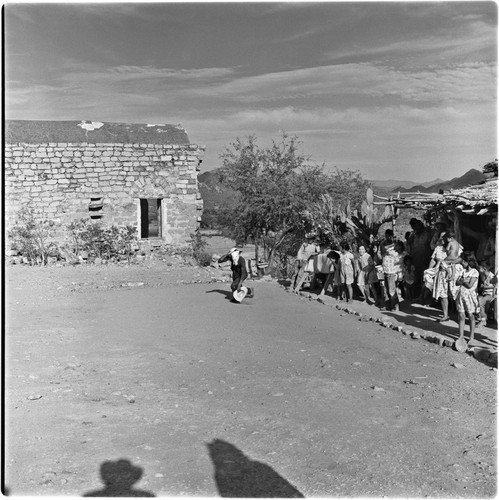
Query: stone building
144	175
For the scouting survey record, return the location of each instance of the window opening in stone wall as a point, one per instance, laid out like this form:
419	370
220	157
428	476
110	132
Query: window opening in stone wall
95	207
150	218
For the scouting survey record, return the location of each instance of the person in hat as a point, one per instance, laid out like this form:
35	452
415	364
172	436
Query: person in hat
239	272
119	478
308	248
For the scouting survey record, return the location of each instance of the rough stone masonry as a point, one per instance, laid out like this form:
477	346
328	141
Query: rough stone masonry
113	172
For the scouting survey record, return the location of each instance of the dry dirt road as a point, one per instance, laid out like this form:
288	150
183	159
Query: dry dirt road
130	377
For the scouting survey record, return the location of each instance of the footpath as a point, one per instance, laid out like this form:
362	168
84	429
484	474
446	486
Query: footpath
418	322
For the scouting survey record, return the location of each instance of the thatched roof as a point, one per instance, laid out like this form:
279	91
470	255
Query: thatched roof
480	195
478	199
39	132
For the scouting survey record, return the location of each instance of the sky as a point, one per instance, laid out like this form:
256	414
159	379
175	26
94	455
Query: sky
393	90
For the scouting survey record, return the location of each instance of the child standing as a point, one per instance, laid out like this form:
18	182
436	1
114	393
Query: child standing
466	296
408	277
377	278
391	268
487	285
347	270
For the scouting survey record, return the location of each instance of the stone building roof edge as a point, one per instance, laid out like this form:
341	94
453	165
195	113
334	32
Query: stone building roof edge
92	132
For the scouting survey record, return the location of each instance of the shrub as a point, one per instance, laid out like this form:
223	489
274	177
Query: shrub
31	237
199	252
106	242
126	241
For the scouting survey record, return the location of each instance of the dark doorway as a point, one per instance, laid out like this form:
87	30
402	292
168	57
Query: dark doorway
150	217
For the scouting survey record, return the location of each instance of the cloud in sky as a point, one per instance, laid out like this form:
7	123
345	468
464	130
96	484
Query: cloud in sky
386	94
472	39
465	82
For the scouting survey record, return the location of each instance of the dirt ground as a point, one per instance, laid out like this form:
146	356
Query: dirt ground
146	380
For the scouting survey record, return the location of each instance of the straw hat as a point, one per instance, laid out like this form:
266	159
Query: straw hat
239	296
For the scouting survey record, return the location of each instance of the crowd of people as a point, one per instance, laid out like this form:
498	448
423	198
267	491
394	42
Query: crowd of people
429	266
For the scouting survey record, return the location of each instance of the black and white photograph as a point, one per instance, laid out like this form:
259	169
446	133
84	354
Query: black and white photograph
249	249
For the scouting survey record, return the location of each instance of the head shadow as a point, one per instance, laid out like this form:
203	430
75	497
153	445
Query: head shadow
119	477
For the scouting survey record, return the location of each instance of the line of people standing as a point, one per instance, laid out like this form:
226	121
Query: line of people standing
427	266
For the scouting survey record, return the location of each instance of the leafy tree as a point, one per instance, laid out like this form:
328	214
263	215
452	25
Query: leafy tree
277	186
273	189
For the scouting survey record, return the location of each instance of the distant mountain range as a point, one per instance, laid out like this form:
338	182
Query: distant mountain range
215	196
213	193
395	184
471	177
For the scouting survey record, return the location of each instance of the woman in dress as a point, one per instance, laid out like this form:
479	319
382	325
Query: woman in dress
445	287
432	286
364	279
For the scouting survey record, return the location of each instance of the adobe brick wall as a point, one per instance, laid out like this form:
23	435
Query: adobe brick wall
59	180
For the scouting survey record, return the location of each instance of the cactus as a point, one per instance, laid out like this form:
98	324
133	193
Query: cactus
337	223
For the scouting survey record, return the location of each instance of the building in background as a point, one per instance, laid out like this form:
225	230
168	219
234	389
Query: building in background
143	175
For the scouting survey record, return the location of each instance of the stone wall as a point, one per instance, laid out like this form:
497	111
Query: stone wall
64	182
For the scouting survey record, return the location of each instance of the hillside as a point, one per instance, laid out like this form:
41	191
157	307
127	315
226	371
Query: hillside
215	196
213	193
470	178
392	184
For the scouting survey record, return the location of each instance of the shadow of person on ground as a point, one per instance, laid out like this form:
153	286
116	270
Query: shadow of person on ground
424	317
227	293
425	323
237	476
118	478
485	340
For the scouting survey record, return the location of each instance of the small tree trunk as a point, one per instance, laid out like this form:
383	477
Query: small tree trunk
257	250
259	270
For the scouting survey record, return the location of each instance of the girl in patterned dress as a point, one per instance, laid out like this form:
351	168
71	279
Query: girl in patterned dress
347	270
467	297
366	266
